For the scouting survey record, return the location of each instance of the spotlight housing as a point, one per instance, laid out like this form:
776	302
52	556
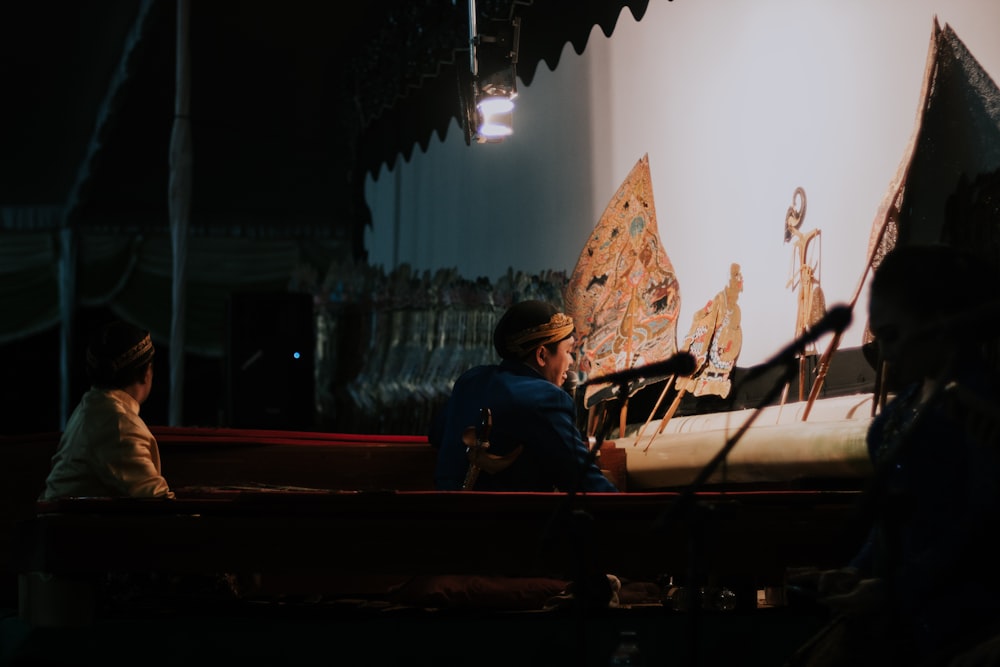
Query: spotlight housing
489	103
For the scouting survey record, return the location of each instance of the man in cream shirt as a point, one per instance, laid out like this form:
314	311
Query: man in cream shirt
107	449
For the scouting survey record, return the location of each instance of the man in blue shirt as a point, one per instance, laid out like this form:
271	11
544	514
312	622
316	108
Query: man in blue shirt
533	429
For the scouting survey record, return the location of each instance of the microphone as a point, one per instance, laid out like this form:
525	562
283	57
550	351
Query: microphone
571	382
835	320
682	363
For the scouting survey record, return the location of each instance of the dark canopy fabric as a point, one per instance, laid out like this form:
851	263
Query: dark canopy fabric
292	104
433	100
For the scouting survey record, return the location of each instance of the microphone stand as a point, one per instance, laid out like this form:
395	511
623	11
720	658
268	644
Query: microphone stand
590	587
694	516
580	523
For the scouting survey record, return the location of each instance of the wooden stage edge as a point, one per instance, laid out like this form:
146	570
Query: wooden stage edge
320	513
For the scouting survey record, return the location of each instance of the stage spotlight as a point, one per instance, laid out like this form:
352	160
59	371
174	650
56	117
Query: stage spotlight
495	118
489	114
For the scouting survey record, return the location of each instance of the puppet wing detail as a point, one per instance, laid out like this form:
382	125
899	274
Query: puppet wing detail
623	294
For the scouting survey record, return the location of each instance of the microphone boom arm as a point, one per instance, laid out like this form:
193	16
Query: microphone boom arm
709	468
836	320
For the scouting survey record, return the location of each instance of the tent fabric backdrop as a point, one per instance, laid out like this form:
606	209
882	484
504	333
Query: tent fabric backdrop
132	276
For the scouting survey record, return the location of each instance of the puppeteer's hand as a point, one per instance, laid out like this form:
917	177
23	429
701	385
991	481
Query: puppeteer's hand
837	582
868	595
818	584
802	581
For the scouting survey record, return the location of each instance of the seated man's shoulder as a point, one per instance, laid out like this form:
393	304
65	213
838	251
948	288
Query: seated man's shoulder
107	401
476	374
537	390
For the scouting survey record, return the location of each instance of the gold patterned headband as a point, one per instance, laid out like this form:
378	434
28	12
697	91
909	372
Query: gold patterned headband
558	327
127	358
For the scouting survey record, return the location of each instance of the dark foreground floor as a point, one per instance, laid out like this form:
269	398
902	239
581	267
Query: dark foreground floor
366	635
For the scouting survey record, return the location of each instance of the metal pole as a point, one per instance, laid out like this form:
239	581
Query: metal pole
179	194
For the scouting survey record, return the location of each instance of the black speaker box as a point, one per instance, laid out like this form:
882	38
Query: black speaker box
270	361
